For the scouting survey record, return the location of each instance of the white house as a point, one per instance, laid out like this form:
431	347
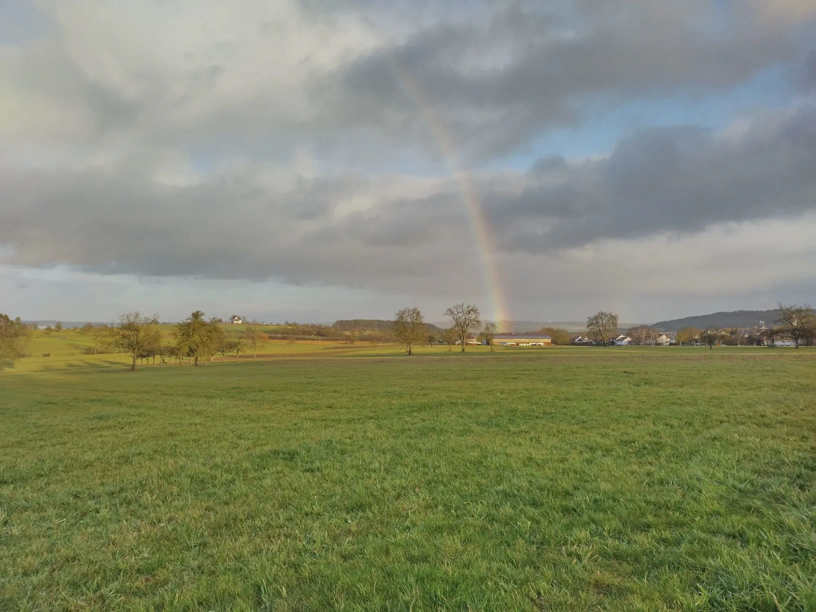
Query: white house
663	340
236	320
623	341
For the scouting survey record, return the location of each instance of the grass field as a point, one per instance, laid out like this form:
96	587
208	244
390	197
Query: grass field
354	478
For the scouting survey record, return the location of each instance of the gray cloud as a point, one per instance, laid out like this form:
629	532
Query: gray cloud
236	224
303	142
555	69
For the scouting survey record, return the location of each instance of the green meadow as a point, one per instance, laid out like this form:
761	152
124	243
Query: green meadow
350	477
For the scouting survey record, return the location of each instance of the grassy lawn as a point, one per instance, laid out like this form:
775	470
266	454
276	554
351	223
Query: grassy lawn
553	479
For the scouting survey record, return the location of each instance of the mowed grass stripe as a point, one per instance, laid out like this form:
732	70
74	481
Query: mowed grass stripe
563	479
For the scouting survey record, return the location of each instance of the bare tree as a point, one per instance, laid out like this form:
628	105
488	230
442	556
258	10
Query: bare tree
601	326
798	322
449	337
409	328
687	335
488	334
135	334
642	334
464	319
252	337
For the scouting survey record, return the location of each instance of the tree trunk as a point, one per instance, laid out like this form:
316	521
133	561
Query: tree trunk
133	365
409	350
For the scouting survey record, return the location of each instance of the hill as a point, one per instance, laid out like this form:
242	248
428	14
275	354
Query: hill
375	325
737	318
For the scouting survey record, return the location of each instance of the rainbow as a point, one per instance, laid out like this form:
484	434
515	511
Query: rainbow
475	211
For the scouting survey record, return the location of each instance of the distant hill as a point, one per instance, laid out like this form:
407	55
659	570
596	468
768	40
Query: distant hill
65	324
725	320
375	325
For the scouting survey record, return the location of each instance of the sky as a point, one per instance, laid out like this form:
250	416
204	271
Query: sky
310	160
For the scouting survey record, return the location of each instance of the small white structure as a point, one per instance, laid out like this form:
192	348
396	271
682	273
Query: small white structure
663	340
236	320
623	341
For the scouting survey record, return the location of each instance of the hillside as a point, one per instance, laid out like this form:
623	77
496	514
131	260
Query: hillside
737	318
375	325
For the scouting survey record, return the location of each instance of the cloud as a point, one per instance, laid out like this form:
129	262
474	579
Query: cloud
263	78
317	142
383	232
520	68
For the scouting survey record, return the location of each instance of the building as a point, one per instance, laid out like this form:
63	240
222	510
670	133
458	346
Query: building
522	340
236	320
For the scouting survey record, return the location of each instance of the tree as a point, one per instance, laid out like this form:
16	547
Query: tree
449	337
219	338
431	338
687	335
58	326
153	346
197	337
711	336
464	319
642	334
601	326
560	337
134	334
224	346
769	336
252	337
798	322
409	328
13	335
488	334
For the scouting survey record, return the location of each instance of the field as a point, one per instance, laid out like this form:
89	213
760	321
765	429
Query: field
350	477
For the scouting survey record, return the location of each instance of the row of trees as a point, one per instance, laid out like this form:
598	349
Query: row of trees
410	329
195	338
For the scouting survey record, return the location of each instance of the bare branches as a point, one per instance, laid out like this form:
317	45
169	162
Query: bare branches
464	319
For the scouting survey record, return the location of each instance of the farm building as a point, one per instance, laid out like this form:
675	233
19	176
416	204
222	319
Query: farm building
236	320
522	340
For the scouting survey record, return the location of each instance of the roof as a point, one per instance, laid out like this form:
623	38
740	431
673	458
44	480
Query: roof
521	337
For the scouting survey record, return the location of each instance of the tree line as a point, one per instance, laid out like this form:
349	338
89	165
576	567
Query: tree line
796	323
195	338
